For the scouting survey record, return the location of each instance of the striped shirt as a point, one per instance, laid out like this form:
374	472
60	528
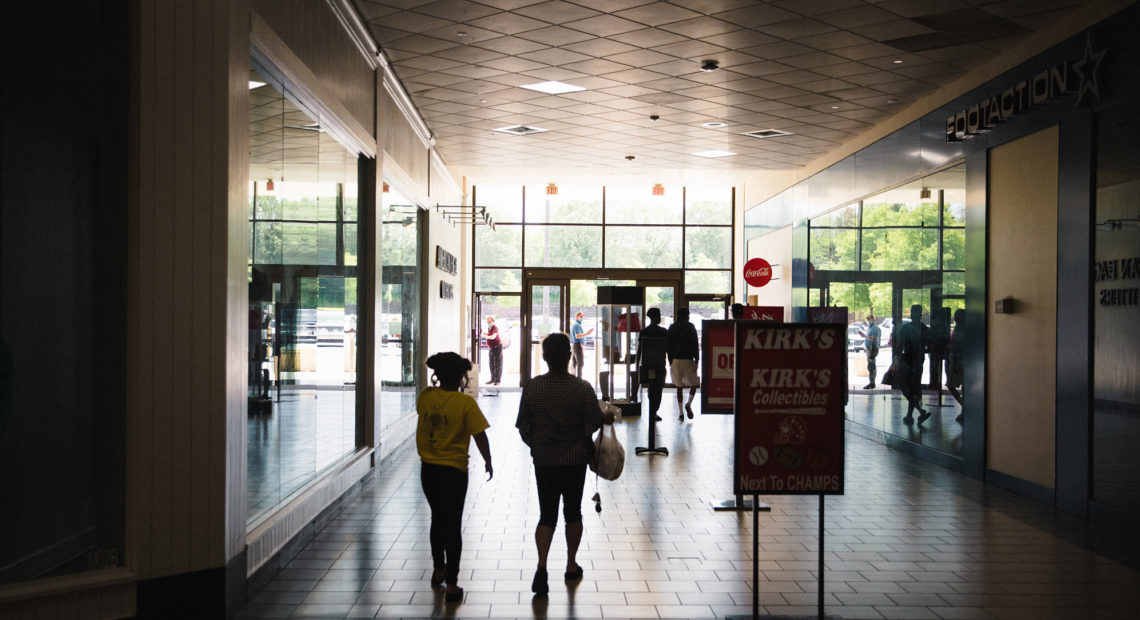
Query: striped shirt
557	415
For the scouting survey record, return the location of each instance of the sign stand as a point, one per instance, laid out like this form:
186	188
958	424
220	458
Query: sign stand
653	447
790	395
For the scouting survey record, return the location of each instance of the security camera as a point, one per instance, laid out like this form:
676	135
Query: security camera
629	158
653	117
710	65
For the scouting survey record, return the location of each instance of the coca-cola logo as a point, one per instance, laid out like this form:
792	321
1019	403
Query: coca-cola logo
757	272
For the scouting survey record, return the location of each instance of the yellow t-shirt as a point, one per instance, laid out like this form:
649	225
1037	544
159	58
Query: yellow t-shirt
447	422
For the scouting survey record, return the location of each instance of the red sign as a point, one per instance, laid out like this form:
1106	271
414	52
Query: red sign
789	409
551	190
757	272
718	375
658	190
764	313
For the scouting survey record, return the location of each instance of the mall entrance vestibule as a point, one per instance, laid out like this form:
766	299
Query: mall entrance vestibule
551	301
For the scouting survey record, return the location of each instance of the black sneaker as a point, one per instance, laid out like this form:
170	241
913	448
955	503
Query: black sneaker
922	417
908	419
869	386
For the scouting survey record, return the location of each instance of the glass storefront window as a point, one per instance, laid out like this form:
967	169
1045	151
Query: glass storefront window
954	248
400	308
833	248
498	280
643	247
708	247
504	202
1115	311
846	217
708	282
637	205
708	205
563	246
303	300
571	205
900	249
501	247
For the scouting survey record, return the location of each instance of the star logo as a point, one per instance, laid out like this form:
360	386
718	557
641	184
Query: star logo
1087	69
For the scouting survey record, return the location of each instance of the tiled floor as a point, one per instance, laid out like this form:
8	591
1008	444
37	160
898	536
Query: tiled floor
908	540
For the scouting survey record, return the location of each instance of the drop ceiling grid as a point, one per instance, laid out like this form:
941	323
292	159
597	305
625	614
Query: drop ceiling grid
823	70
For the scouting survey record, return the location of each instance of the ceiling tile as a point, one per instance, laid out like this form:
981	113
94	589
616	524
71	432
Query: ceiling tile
756	15
508	23
466	53
557	12
420	44
740	39
512	64
599	48
604	25
648	37
797	28
510	45
410	21
555	56
778	50
701	27
815	7
458	10
641	58
634	76
657	14
690	49
555	35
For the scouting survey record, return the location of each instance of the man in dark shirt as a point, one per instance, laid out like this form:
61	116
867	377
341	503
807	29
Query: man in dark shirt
684	353
911	342
652	345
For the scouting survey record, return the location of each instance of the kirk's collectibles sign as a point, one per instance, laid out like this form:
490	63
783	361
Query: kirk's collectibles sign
789	408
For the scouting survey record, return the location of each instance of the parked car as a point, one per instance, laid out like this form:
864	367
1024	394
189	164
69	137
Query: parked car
855	337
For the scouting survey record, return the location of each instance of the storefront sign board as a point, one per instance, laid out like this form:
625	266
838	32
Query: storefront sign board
789	403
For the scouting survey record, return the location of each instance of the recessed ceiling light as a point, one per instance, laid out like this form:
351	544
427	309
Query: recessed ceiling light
553	88
713	153
255	84
898	62
461	33
714	124
521	130
834	107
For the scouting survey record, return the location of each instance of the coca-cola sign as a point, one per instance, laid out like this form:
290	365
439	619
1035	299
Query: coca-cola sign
757	272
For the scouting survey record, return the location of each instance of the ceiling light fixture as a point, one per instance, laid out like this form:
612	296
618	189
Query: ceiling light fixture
767	133
521	130
255	84
714	124
461	33
710	65
898	62
553	88
713	153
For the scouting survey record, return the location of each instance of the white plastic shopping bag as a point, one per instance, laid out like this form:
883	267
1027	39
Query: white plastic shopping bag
609	455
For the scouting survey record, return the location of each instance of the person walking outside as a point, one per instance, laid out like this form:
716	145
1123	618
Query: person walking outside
557	415
494	350
577	337
448	420
871	346
652	344
684	353
911	341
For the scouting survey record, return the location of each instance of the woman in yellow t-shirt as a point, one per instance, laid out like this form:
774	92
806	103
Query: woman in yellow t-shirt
448	420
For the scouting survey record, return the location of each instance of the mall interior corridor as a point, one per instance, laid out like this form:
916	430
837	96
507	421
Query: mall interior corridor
907	540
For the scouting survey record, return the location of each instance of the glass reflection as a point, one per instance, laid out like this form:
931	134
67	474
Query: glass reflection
901	248
302	299
399	306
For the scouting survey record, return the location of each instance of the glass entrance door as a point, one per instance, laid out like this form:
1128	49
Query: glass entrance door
506	312
548	312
